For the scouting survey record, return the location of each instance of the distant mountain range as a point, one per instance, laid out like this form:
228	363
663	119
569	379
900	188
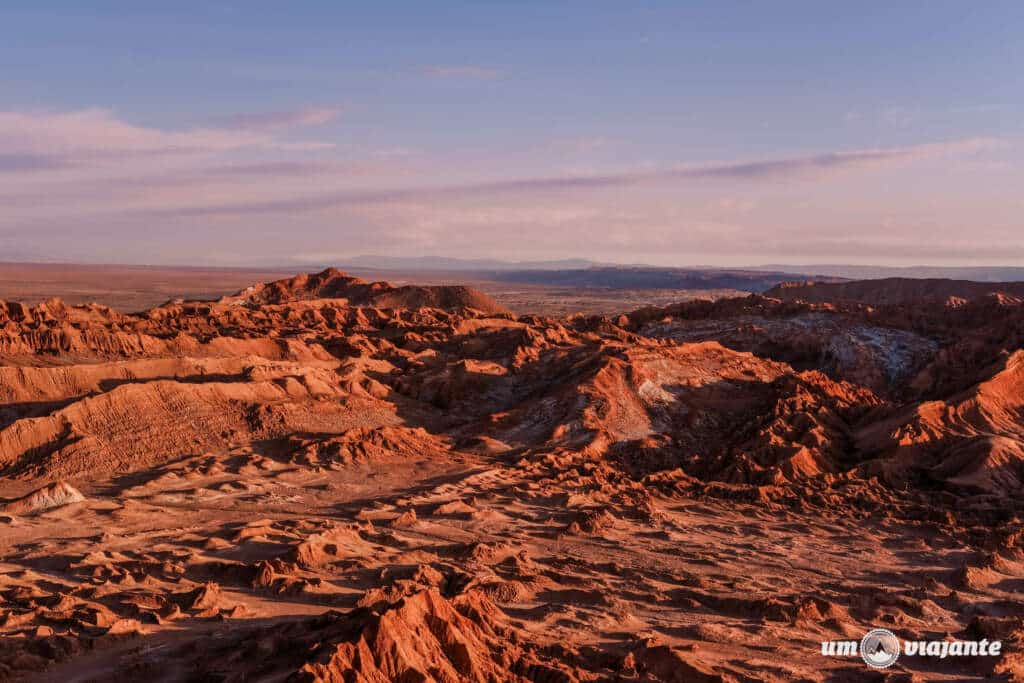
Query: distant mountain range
579	273
649	277
443	263
631	271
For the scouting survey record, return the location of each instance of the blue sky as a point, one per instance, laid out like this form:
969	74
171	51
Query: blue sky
676	133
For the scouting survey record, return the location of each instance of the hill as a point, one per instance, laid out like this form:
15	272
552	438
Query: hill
893	291
334	284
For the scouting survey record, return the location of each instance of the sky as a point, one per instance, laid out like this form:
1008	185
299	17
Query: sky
671	133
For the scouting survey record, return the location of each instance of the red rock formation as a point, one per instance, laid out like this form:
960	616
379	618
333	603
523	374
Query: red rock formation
399	459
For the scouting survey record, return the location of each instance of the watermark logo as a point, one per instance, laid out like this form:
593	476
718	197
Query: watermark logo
880	648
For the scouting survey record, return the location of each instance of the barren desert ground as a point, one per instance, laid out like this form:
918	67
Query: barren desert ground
324	478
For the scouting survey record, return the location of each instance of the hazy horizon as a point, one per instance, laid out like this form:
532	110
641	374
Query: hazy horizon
394	266
728	135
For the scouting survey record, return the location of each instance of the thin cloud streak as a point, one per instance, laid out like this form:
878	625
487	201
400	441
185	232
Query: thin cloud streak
763	170
277	120
272	169
47	140
22	163
461	71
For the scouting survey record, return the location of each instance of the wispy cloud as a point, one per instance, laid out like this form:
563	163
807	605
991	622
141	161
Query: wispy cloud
807	167
461	71
270	169
276	120
99	183
59	140
29	162
100	132
900	117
